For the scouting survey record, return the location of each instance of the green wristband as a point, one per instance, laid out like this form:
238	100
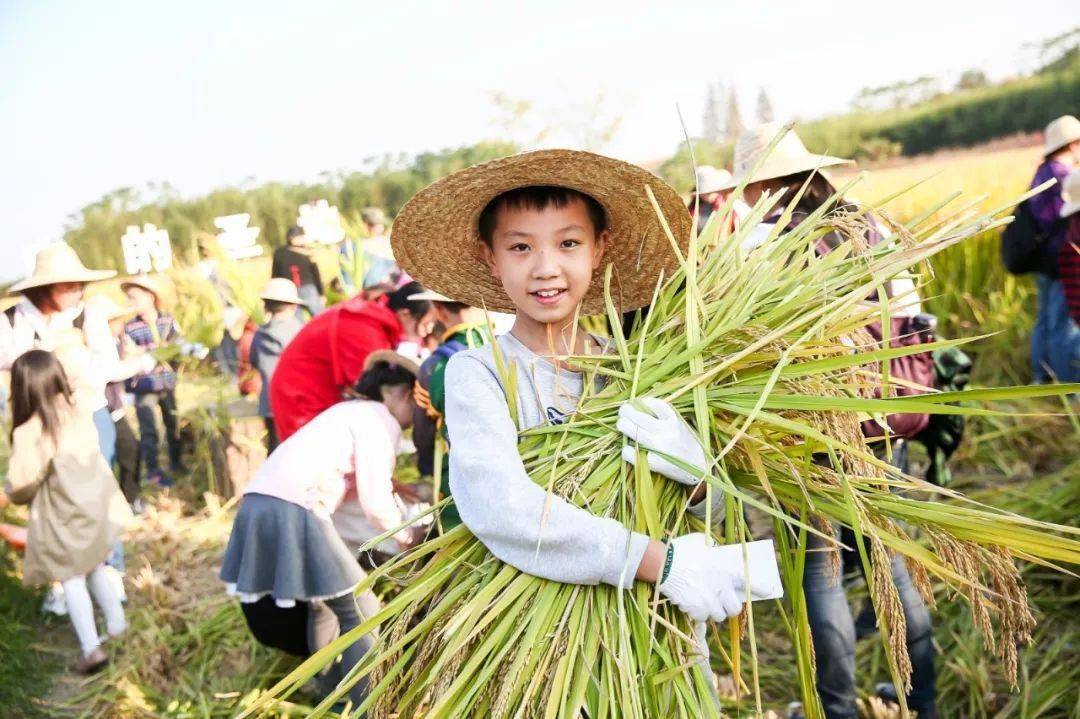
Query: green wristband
667	562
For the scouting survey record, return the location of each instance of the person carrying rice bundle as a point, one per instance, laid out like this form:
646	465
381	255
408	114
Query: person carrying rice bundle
790	168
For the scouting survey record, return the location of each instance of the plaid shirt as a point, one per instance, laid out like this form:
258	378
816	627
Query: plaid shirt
1069	266
150	337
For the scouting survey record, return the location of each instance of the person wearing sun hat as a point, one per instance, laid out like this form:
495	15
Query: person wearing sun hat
1055	338
153	329
51	315
280	300
1069	259
535	234
461	328
711	188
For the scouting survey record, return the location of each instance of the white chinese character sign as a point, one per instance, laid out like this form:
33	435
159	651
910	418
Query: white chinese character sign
146	250
321	223
236	238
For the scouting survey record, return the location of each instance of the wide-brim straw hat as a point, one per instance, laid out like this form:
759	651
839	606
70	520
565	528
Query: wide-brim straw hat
1070	193
788	157
58	263
436	238
709	179
1059	133
281	289
391	357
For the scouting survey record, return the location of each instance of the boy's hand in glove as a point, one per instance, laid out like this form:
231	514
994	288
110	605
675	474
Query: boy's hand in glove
706	583
661	429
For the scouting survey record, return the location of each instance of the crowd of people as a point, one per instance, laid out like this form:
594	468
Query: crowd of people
340	387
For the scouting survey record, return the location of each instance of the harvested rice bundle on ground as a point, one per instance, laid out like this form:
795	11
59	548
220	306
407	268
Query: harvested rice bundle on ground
760	352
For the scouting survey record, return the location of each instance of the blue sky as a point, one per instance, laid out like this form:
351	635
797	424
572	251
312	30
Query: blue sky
102	95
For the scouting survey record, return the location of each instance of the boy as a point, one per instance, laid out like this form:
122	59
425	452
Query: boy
152	329
280	300
464	327
513	235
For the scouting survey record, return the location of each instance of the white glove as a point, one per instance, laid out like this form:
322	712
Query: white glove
704	582
662	430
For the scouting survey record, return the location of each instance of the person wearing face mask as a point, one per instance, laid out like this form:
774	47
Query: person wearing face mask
788	169
1055	339
52	316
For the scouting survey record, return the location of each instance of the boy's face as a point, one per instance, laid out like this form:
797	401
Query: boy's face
141	300
545	259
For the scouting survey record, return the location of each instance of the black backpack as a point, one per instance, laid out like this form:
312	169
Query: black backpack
1024	245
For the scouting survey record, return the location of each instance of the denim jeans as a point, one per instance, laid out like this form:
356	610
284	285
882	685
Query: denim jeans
833	626
1055	339
146	406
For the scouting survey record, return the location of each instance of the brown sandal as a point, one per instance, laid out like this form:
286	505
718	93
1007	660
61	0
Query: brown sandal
92	662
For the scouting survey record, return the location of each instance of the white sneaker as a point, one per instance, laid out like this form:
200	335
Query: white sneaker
55	603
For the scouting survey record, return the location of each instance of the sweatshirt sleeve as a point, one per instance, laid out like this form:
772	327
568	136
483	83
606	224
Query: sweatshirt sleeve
374	457
505	509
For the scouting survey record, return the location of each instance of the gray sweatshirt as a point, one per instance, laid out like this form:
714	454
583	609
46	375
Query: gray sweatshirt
494	495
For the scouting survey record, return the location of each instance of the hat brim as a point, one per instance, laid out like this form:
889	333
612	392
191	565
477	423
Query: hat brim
393	358
772	169
132	282
429	296
281	298
44	280
436	239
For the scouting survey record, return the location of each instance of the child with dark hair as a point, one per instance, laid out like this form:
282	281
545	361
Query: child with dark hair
284	549
76	509
415	318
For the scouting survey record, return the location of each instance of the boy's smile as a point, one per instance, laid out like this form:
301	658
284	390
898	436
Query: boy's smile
545	261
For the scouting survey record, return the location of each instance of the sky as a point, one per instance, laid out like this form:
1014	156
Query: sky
98	96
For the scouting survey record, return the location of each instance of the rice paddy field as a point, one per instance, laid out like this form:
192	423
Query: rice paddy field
188	654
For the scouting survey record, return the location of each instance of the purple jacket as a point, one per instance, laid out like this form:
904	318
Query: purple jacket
1046	206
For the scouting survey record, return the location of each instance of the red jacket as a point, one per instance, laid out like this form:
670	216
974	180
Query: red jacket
326	358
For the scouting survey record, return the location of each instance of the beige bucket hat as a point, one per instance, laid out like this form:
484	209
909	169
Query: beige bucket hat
59	263
1061	132
378	247
281	289
436	238
709	179
789	157
147	282
1070	193
374	216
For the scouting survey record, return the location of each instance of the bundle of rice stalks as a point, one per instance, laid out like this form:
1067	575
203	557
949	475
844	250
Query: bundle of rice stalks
762	352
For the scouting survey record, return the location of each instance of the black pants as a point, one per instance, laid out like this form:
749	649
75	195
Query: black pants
271	435
127	459
146	406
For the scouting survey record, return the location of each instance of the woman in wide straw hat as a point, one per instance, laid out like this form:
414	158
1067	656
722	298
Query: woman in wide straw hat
788	169
1055	339
51	315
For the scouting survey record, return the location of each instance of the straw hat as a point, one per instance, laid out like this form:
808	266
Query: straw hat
437	241
379	247
710	179
146	282
281	289
59	263
789	157
428	295
391	357
1070	193
1061	132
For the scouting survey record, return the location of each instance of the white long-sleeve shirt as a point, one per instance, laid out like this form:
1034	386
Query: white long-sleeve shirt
346	454
89	356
